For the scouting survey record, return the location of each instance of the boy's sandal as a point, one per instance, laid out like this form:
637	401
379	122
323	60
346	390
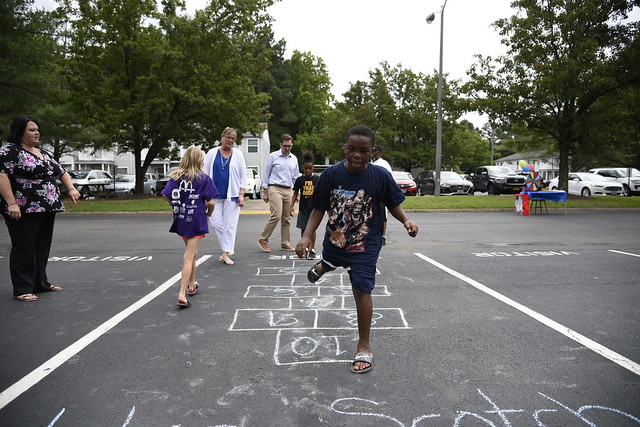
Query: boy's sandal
27	297
54	288
194	290
363	358
313	274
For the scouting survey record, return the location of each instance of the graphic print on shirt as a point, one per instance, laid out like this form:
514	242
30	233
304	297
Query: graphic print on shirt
349	214
307	190
180	208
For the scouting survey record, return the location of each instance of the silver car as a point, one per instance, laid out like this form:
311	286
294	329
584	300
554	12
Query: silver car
125	185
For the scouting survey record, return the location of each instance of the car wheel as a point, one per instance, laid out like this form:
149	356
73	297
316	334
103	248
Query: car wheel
626	191
418	192
554	188
132	192
258	193
153	191
85	193
585	192
491	190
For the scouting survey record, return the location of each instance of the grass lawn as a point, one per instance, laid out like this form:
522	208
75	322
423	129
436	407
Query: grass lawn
505	202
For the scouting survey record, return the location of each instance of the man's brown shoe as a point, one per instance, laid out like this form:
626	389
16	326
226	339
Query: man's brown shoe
264	246
288	248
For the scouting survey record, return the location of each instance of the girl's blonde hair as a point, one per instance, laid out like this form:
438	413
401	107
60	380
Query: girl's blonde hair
190	165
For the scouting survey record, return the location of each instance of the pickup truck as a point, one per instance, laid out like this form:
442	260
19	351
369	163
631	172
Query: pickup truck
497	180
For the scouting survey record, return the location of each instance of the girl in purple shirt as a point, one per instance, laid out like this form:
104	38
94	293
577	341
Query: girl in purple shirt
191	194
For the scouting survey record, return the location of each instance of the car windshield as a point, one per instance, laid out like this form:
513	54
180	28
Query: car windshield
500	169
79	174
400	175
125	178
449	175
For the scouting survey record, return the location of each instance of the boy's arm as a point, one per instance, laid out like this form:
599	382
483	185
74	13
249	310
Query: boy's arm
399	214
305	244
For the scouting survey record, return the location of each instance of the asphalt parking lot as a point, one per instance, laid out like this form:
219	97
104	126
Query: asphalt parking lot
483	319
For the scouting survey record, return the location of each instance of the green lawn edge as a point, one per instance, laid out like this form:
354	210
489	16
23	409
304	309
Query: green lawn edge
139	204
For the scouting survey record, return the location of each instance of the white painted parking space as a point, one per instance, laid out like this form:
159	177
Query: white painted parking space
575	336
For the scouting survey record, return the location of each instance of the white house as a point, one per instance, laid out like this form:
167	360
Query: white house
255	149
547	165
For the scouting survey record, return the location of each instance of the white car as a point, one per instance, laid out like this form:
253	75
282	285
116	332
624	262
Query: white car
253	184
90	182
125	185
589	184
630	183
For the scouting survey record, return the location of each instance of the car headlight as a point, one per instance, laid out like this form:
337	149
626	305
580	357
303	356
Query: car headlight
501	180
598	185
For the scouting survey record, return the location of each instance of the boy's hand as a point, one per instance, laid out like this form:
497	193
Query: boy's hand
293	212
412	229
303	247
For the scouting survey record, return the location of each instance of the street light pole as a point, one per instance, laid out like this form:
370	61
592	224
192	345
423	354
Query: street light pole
430	18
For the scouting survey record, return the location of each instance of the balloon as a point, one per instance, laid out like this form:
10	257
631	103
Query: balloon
531	167
522	163
526	169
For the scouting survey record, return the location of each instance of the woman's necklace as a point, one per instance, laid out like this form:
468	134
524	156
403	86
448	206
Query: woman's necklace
223	162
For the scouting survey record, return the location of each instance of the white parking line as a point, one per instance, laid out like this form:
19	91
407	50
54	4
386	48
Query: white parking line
623	253
580	339
50	365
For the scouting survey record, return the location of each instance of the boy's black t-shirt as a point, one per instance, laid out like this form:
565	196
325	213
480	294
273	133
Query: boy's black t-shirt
306	186
354	203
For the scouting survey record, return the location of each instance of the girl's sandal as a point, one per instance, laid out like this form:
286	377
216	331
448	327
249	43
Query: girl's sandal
192	291
27	297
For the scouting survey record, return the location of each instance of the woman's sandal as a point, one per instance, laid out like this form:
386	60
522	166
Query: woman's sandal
224	261
54	288
27	297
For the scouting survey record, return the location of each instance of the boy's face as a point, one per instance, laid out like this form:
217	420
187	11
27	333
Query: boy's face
357	152
307	168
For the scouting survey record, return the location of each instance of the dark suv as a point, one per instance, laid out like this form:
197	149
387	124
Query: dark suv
497	180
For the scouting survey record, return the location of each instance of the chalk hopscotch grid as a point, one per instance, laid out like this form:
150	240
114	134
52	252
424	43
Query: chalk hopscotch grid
309	291
316	312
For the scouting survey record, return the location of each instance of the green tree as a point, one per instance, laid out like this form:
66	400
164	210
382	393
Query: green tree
27	51
155	87
565	59
401	106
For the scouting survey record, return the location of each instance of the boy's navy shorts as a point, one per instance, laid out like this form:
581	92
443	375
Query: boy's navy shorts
361	275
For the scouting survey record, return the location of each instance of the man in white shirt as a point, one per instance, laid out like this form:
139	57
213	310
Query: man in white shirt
281	172
379	161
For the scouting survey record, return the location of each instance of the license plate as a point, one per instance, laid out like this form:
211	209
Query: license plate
516	188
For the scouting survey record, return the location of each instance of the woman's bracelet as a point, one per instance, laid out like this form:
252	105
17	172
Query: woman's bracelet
11	204
71	189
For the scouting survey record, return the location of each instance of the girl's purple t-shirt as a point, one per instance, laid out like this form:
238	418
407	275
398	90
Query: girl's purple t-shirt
189	202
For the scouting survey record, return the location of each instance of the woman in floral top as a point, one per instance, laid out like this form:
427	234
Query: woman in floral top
29	203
